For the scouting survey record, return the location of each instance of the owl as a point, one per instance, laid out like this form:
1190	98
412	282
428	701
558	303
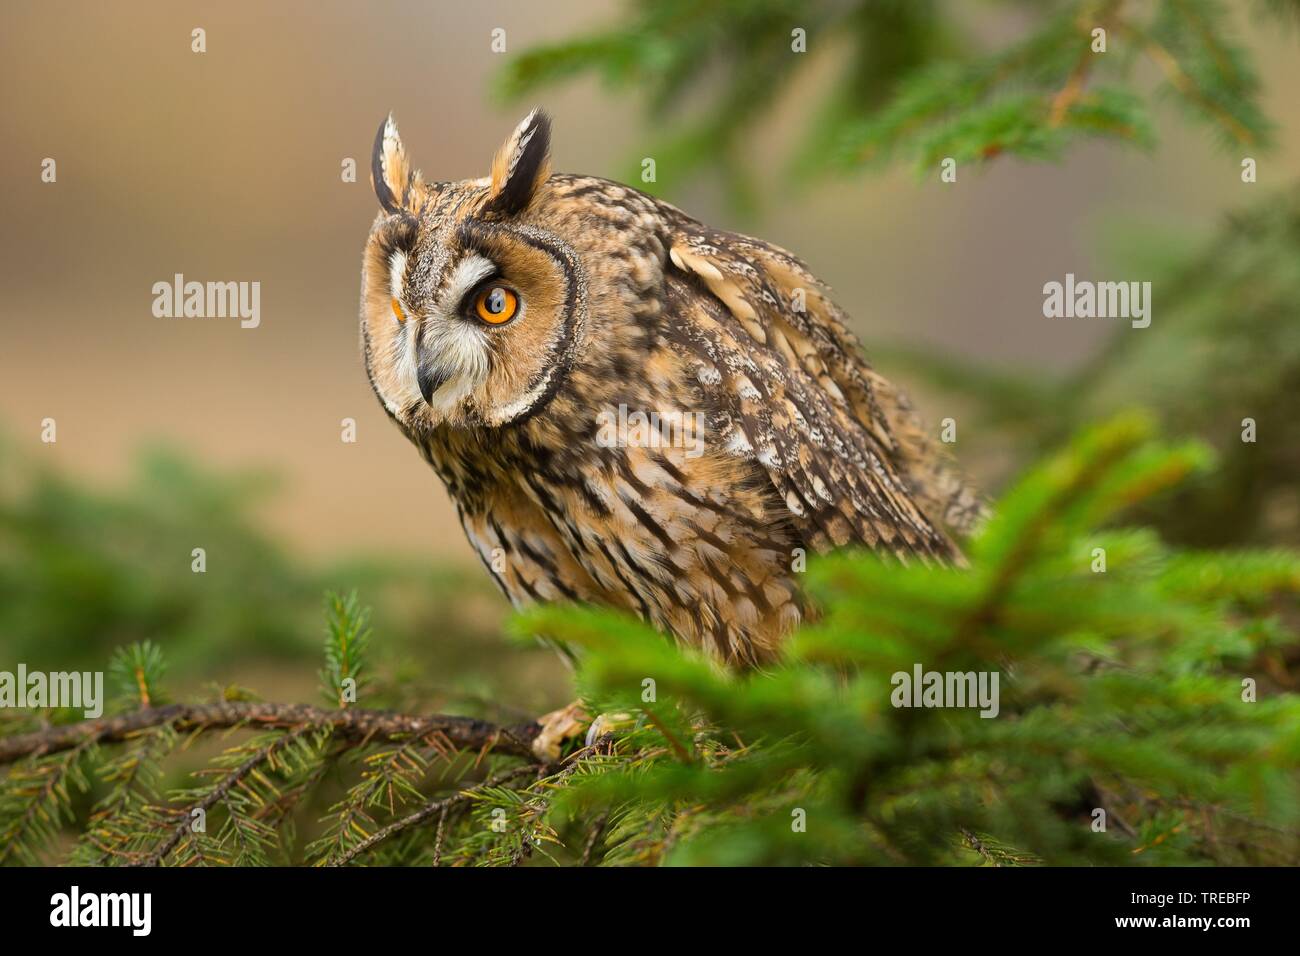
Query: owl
632	409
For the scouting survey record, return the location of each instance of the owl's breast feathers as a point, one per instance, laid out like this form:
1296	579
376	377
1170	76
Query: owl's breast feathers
803	444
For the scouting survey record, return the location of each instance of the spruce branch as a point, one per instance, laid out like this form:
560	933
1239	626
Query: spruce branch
220	794
389	778
593	837
347	640
440	808
1078	78
112	831
913	81
44	790
1120	691
353	724
1184	84
976	844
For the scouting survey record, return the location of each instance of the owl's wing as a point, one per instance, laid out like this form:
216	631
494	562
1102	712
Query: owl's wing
794	393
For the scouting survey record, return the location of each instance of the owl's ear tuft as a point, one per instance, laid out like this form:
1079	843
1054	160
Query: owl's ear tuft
390	171
521	165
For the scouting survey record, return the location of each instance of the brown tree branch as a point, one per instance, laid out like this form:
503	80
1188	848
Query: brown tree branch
597	831
976	844
1089	18
218	793
353	724
436	807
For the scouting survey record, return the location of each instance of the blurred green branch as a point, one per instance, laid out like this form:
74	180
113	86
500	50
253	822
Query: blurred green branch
1145	712
85	568
1225	349
912	80
1122	700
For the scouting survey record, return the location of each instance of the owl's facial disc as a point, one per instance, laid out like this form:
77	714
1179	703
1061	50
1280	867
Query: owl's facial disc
532	351
451	348
472	312
495	340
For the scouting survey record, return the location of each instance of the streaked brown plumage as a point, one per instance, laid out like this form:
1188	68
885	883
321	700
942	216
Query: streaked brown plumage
622	300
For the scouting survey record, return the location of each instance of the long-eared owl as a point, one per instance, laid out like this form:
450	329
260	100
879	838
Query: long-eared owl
631	408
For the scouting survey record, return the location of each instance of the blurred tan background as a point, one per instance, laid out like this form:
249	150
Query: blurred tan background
226	166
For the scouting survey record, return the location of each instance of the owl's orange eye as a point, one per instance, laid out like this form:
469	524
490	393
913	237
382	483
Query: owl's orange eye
496	304
397	311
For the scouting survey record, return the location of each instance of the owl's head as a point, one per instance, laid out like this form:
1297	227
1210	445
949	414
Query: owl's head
471	311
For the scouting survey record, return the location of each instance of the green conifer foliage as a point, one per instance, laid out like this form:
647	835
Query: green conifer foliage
912	80
1145	716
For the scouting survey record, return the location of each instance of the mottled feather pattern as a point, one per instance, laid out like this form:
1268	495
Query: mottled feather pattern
784	373
628	303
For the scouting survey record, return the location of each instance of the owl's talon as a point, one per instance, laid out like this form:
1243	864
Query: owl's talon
606	724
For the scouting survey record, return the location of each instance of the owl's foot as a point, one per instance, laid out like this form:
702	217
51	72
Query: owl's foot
567	723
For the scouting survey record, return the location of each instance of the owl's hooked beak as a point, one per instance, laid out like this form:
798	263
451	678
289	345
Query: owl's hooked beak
451	360
429	375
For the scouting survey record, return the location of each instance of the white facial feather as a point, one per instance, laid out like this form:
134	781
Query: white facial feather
401	352
457	346
396	271
469	272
